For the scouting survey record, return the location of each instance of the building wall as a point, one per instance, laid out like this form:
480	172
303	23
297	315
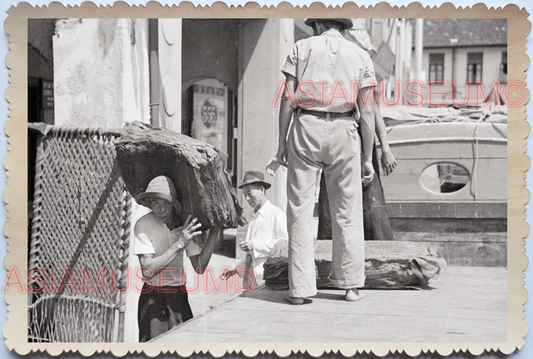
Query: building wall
457	71
40	51
448	75
101	72
491	67
398	33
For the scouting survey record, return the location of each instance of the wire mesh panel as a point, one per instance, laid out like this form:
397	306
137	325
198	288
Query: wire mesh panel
79	239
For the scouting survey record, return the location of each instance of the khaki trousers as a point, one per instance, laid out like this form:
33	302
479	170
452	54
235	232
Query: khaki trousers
332	145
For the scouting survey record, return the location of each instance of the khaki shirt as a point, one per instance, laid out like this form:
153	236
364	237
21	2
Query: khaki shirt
330	70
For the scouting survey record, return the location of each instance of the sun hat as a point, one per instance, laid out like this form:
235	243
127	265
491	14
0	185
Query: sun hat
254	177
160	187
346	22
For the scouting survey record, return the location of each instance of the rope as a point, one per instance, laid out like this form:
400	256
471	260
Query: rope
474	166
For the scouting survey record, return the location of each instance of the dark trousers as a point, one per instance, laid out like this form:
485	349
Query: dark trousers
160	311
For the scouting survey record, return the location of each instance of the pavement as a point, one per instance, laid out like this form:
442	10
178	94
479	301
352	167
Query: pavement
464	304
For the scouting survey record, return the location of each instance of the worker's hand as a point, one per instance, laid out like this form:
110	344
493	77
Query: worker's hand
388	162
247	246
367	172
228	272
272	165
188	231
282	153
242	221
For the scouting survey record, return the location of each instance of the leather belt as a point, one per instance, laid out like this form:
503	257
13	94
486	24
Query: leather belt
326	114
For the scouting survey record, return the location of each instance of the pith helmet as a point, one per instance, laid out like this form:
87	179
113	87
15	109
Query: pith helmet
348	24
160	187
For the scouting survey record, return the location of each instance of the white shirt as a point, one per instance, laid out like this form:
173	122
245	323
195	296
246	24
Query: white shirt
152	236
267	227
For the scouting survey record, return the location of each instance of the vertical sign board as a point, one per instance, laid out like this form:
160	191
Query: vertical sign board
210	113
47	102
47	95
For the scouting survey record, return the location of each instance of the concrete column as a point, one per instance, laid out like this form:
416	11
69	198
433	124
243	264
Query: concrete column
419	47
398	65
408	39
169	42
263	47
402	49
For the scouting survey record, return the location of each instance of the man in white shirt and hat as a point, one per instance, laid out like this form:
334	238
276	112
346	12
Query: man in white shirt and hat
267	227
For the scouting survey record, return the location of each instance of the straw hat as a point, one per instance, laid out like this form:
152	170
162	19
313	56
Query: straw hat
160	187
254	177
348	24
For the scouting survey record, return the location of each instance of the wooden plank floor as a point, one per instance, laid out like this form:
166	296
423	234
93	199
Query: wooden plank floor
466	304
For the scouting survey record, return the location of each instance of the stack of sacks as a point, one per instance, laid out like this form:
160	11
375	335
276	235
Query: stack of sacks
276	268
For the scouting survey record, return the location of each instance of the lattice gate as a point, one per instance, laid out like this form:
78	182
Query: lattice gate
79	239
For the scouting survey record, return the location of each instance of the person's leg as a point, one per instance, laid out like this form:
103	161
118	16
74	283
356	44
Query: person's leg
152	314
324	214
305	142
376	222
343	180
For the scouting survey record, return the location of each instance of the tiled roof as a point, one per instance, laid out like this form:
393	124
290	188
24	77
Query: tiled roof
464	32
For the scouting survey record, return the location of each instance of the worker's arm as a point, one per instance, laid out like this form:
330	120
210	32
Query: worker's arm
388	162
200	261
285	115
368	133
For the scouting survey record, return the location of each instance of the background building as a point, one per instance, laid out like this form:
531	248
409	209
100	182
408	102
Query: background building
463	51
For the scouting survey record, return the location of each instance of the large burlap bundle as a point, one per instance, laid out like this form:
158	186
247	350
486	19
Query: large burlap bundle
388	265
197	169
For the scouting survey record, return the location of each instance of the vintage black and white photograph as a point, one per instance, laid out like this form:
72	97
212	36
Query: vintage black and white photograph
268	180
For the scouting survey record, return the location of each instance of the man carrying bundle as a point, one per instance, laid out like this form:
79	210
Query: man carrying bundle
160	241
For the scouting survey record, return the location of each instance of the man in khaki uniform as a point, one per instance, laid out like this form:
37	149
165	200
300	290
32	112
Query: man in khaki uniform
327	77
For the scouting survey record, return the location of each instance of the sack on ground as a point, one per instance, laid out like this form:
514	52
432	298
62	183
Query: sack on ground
388	265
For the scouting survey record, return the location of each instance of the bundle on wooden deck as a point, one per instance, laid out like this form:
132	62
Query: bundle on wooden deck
197	169
388	265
